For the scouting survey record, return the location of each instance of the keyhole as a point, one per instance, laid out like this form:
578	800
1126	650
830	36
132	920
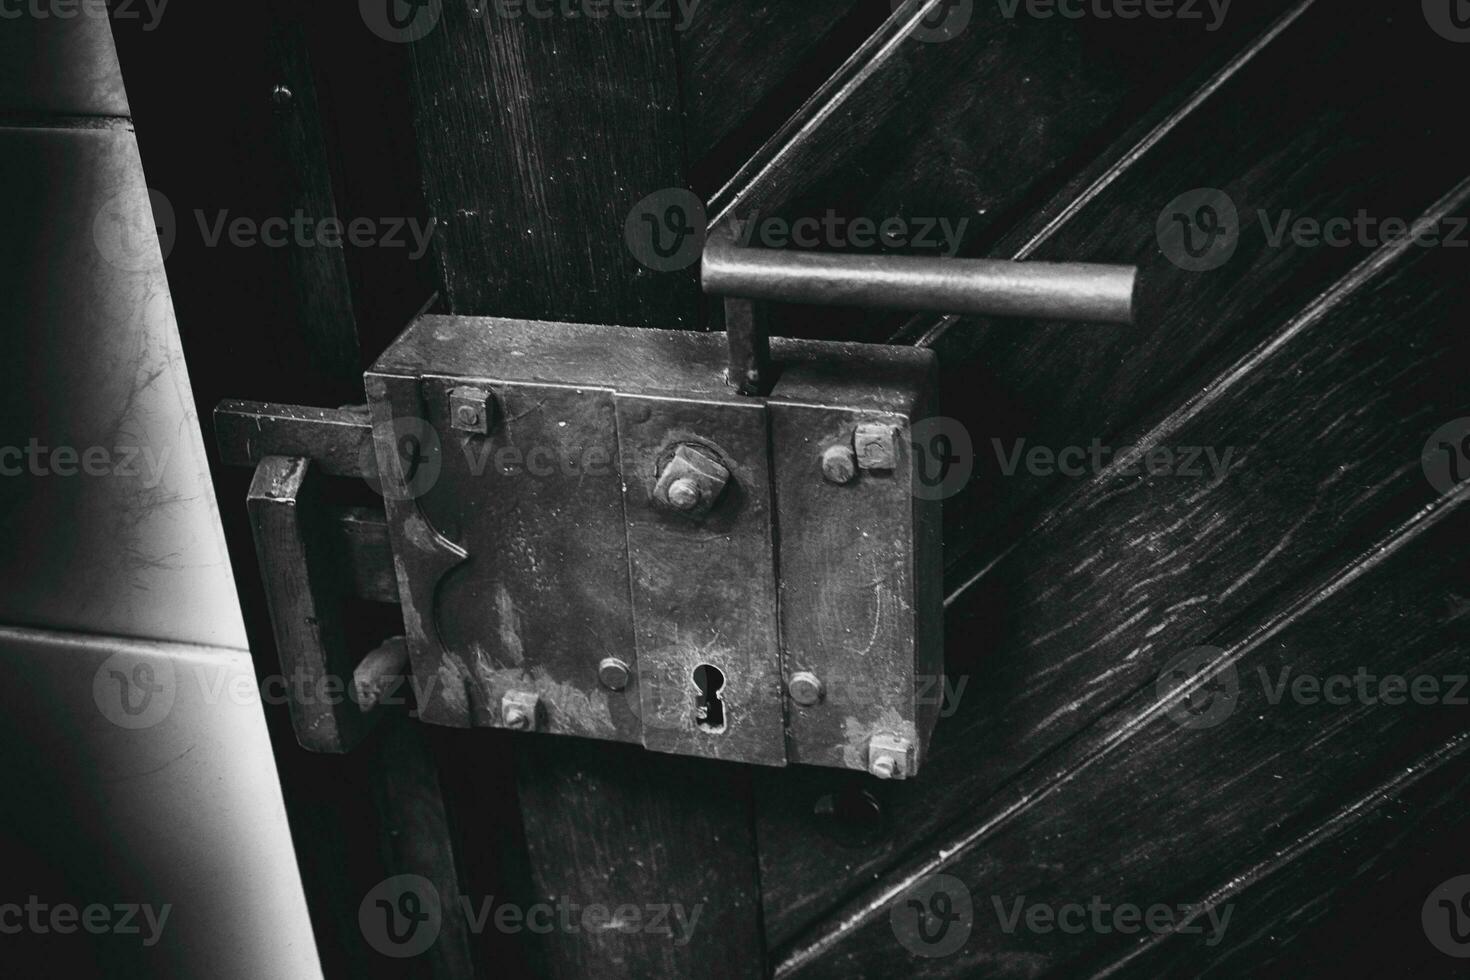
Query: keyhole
709	707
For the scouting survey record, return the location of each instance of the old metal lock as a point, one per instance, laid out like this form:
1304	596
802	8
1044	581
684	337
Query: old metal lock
588	528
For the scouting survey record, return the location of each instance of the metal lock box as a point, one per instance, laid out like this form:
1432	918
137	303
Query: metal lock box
710	544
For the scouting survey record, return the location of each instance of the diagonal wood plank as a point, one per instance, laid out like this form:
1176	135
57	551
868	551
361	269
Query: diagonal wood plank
1134	568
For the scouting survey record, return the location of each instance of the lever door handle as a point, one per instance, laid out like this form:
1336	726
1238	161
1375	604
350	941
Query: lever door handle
981	287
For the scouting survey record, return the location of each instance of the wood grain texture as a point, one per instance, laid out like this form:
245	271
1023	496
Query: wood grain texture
1312	137
619	826
1132	569
1186	808
982	128
1347	899
318	273
745	66
539	136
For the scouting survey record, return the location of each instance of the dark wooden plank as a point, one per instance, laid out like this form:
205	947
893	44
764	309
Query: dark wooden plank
368	552
540	136
1345	901
1131	569
1313	137
617	826
979	128
747	65
1241	782
318	272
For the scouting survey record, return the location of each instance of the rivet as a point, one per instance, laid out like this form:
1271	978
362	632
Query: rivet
805	688
839	464
613	674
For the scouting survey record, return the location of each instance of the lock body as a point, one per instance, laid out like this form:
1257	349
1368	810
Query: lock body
762	573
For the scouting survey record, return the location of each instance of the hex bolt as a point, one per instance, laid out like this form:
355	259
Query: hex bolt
877	446
839	464
518	710
613	674
684	494
805	688
470	410
889	756
692	481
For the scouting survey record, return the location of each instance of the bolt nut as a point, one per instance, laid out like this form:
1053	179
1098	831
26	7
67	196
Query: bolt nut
890	757
613	674
519	710
839	464
805	688
877	446
692	482
471	410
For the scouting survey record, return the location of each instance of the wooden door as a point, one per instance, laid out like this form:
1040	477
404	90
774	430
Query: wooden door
1173	541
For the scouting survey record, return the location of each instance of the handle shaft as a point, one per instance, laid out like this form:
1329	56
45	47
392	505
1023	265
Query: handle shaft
981	287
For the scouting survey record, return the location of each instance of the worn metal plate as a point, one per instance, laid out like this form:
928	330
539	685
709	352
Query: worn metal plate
860	562
704	592
540	594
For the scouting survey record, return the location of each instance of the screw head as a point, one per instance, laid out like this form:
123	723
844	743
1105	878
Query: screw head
805	688
684	494
883	766
282	96
839	464
517	719
613	674
468	416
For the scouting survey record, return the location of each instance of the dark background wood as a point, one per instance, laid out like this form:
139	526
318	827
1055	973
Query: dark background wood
1058	776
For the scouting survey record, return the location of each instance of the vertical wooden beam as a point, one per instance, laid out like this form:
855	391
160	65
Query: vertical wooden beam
539	137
